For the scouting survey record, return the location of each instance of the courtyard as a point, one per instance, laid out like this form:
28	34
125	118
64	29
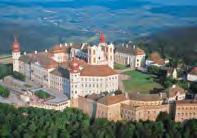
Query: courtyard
139	82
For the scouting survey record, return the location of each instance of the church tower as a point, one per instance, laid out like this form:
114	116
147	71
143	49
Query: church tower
103	54
15	54
110	55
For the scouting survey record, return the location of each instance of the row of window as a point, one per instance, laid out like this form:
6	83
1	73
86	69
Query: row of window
188	108
98	79
187	114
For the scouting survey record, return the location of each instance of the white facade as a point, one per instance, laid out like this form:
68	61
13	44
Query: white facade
192	77
134	57
42	68
87	85
102	54
15	58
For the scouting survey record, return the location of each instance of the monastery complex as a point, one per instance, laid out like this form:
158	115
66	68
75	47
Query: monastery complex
85	72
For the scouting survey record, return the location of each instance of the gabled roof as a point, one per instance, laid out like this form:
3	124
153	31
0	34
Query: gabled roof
97	70
61	72
127	50
156	58
60	49
193	71
43	58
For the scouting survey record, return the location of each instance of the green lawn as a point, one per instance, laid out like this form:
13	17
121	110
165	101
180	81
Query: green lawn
119	66
139	82
42	94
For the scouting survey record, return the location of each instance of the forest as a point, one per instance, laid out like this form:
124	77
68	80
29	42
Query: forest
72	123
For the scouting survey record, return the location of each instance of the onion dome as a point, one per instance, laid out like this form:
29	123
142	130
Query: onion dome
15	45
102	38
74	66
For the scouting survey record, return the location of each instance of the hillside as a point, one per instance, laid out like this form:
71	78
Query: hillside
177	43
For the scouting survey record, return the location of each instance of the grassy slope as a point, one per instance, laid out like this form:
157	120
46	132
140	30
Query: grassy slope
139	82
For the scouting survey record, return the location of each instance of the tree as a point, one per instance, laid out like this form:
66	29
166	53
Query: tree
18	75
5	70
163	116
168	82
193	87
4	92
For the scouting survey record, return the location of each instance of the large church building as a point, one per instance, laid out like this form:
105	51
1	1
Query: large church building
76	70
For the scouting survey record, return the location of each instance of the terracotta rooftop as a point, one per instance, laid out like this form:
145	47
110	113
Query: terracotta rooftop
97	70
60	49
109	100
139	51
160	62
43	58
171	92
61	72
146	97
156	58
129	50
194	71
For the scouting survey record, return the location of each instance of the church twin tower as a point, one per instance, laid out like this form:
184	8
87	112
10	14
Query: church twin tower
103	54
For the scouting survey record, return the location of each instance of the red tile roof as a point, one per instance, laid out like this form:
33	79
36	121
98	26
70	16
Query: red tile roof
194	71
156	58
60	49
109	100
97	70
139	51
43	58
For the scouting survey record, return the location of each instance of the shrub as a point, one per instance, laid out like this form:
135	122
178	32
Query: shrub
42	94
4	92
18	75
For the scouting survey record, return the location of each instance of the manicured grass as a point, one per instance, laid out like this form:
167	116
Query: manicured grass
4	92
42	94
119	66
139	82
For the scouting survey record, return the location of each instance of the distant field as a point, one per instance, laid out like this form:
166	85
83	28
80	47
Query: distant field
139	82
5	59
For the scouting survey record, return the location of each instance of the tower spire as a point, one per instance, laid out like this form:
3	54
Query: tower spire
15	45
102	38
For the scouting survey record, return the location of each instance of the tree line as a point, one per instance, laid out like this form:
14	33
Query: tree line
72	123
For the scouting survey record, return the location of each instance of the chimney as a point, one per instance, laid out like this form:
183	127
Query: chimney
71	44
174	86
65	44
35	52
25	53
133	46
60	45
46	51
127	95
